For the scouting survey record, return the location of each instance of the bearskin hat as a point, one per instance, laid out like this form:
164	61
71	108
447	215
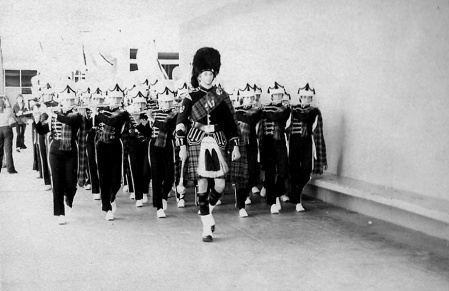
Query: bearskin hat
205	59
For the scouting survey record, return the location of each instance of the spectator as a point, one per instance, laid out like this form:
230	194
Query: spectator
6	134
19	111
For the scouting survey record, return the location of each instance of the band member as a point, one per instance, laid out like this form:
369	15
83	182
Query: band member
34	105
83	161
97	100
163	122
109	123
245	171
272	146
152	95
47	101
136	136
307	146
182	90
213	127
63	154
257	93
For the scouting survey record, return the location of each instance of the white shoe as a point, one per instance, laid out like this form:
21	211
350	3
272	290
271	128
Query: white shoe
61	220
274	209
278	203
125	188
207	228
218	203
109	216
161	213
255	190
243	213
248	201
285	198
263	192
181	203
114	207
96	196
145	198
88	187
132	195
299	207
139	203
164	204
47	188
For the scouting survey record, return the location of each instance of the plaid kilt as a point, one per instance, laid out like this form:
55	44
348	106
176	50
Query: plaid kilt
191	165
238	170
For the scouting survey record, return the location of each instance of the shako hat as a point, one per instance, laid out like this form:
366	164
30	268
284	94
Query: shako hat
67	93
248	91
166	95
277	89
306	91
257	90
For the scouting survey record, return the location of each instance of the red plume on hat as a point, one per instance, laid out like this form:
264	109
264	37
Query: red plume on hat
205	59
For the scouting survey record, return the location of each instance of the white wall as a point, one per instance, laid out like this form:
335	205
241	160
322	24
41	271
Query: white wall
380	68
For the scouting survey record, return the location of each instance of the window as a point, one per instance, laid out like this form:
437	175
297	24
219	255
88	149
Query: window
133	54
26	91
78	75
133	67
19	81
26	76
12	78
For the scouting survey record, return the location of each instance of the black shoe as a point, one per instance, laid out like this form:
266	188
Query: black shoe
13	172
207	238
24	147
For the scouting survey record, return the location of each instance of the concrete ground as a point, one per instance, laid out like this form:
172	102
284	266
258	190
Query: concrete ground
324	248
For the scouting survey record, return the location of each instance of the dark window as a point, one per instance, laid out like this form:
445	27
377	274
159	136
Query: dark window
133	67
133	54
167	56
26	90
12	78
26	77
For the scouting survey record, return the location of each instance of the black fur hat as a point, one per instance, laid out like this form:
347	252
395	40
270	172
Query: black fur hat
205	59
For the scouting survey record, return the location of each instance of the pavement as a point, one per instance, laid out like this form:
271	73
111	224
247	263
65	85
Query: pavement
323	248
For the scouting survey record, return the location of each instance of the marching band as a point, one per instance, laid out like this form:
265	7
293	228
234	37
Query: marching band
156	137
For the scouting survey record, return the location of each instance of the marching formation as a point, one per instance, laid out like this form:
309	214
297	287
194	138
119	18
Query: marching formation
161	135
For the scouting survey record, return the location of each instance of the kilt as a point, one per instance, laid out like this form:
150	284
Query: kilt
191	166
238	170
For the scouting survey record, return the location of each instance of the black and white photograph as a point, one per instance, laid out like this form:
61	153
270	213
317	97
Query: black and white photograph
224	145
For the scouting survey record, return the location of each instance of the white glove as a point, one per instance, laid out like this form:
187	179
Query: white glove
183	153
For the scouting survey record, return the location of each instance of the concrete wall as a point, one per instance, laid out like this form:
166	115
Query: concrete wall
380	68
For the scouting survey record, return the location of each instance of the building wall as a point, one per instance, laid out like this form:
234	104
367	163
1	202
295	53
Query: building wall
380	69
